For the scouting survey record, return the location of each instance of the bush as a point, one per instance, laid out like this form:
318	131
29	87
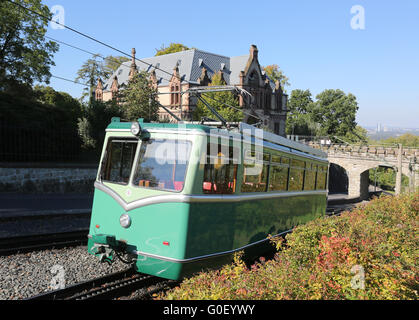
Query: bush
368	253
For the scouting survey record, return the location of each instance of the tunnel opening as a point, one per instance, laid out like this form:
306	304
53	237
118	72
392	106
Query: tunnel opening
338	179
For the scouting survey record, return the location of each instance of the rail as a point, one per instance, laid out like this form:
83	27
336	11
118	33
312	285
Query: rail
107	287
36	242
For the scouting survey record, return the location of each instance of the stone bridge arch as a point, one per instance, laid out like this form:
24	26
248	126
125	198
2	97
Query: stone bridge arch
357	160
357	171
358	174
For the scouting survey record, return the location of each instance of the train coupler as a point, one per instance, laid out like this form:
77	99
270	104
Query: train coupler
105	247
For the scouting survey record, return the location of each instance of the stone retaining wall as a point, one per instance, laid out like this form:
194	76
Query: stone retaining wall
47	180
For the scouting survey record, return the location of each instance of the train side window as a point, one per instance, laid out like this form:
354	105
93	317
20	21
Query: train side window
278	176
296	177
255	177
321	177
118	160
220	171
310	177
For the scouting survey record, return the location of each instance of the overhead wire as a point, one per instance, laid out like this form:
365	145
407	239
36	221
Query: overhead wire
91	38
95	54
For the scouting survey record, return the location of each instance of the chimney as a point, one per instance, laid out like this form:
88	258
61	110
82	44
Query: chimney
133	68
253	51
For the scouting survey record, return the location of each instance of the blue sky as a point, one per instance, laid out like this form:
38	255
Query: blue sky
311	40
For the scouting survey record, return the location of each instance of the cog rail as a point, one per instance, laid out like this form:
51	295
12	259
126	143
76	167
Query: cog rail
111	286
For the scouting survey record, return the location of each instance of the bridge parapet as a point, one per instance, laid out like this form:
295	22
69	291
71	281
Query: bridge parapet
358	159
366	150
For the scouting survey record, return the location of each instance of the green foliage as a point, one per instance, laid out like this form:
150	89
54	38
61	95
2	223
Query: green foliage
38	124
358	134
25	56
407	140
172	48
326	258
136	100
386	178
276	74
335	111
39	107
62	100
96	117
216	100
299	118
332	114
139	99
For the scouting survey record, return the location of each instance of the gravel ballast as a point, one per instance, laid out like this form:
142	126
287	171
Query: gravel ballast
28	274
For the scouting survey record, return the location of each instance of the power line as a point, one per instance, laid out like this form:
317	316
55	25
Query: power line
89	37
93	54
69	80
235	108
72	46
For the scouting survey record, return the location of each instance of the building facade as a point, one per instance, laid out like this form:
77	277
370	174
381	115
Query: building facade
192	68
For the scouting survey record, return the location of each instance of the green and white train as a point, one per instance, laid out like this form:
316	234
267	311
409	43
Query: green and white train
177	198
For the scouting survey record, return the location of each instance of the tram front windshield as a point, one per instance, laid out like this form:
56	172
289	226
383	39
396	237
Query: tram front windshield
162	164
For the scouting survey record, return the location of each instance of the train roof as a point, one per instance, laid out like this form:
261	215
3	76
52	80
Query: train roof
241	129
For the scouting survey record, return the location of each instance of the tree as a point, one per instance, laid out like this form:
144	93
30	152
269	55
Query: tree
335	111
96	117
60	100
139	99
299	118
276	74
96	68
25	56
217	100
89	73
358	134
112	63
407	140
172	48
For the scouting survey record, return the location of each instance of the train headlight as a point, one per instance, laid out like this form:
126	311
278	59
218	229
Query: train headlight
125	220
135	128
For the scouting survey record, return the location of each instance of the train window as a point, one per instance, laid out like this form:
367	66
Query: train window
285	160
310	177
220	170
321	177
255	178
276	159
162	164
117	161
296	177
278	178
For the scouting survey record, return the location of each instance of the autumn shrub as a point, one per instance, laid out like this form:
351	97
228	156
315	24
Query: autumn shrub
368	253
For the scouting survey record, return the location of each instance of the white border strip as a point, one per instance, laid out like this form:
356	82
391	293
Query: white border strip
183	198
205	256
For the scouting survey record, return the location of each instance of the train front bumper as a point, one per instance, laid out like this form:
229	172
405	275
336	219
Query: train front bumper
104	246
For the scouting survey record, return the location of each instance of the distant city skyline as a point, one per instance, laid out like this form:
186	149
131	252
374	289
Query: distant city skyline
317	44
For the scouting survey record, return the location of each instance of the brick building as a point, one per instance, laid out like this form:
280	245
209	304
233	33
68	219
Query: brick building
191	68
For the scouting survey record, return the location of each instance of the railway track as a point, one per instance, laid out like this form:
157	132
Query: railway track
30	243
115	285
